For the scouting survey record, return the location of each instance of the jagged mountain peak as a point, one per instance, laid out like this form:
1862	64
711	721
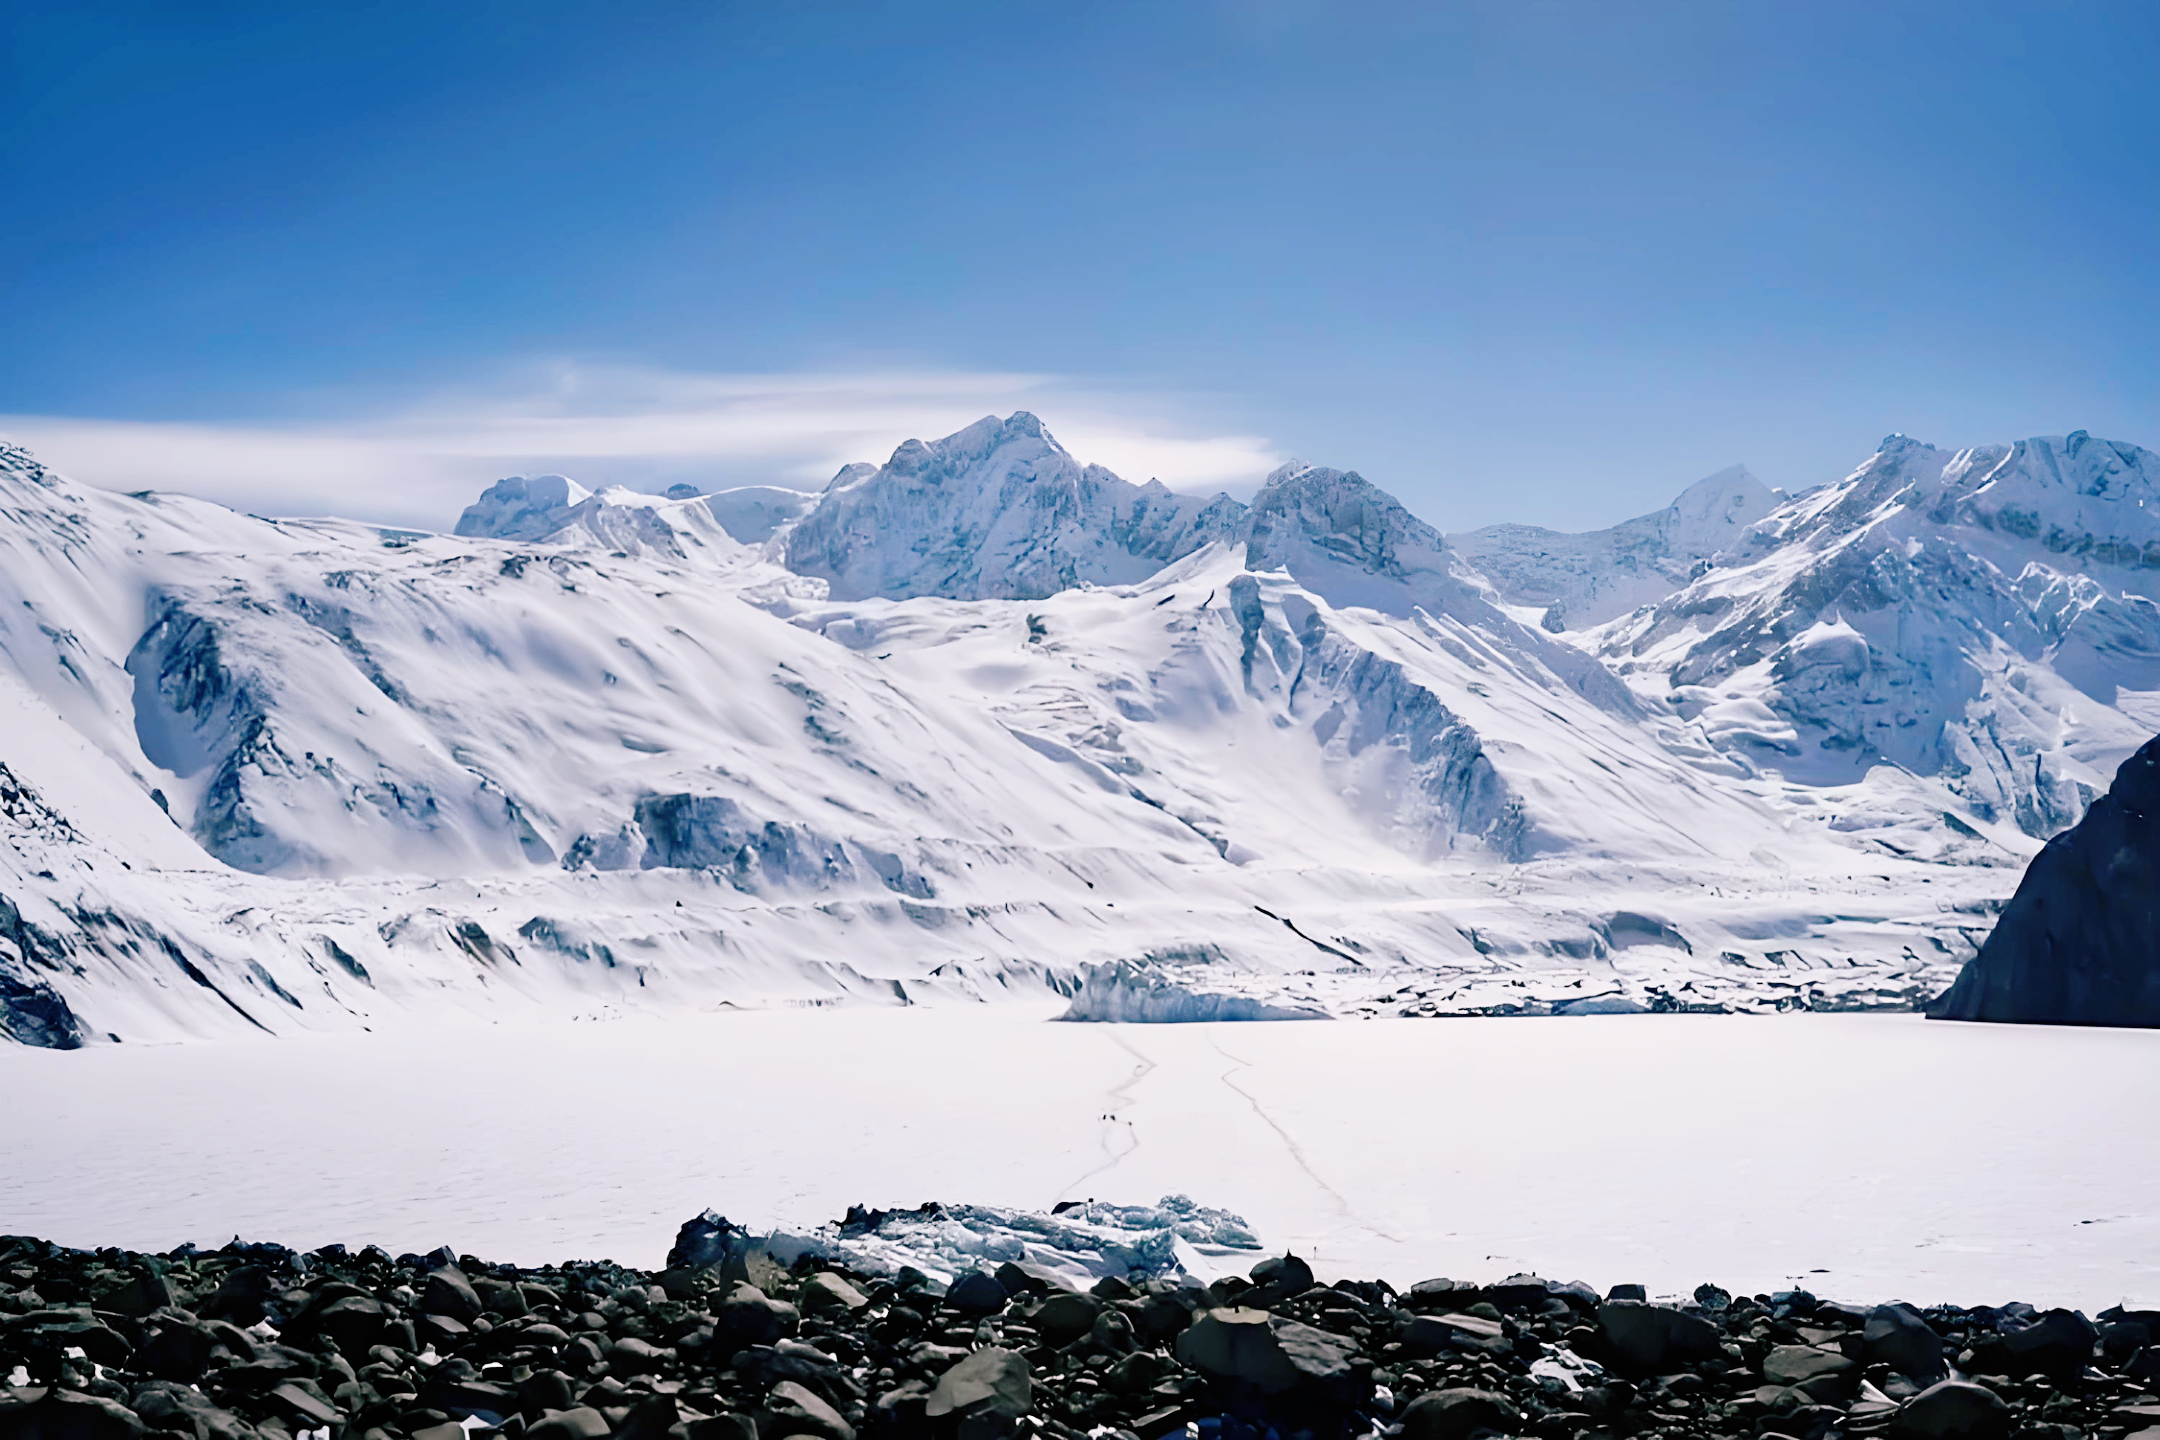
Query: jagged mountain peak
996	510
1343	535
961	453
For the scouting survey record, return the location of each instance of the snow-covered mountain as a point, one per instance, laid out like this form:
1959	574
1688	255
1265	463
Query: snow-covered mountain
1985	616
1580	580
998	511
984	720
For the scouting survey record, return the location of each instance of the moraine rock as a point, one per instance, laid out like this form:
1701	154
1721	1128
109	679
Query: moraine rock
1953	1410
1456	1414
1650	1337
796	1409
1896	1335
1254	1350
2079	943
990	1382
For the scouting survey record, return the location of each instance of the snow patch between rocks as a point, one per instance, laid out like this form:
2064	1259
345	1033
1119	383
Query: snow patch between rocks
1077	1245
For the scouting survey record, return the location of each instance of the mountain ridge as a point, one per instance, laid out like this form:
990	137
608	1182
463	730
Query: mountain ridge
315	774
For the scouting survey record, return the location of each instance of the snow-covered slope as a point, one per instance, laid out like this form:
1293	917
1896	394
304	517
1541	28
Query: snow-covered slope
1985	616
984	721
561	512
1580	580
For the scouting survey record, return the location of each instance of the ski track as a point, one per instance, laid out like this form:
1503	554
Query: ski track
1113	1123
1290	1144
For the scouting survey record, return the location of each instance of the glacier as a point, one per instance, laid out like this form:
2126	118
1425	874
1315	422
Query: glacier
985	722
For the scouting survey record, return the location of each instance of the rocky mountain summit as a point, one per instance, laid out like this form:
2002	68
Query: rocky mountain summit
255	1342
2079	943
997	511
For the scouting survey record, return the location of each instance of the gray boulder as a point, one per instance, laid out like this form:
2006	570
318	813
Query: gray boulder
794	1409
1267	1353
990	1382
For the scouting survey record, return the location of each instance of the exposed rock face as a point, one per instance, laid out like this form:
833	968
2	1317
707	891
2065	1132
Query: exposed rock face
2079	944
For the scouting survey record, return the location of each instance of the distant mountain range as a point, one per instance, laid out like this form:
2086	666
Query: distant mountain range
984	720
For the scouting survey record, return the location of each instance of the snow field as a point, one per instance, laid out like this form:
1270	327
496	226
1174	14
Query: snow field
1865	1157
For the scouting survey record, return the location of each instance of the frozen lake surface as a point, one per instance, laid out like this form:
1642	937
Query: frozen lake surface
1866	1157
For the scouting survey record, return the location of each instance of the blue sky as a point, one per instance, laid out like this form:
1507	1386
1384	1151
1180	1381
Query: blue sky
1543	262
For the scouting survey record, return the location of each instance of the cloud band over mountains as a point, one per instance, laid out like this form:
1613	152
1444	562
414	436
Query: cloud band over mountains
421	462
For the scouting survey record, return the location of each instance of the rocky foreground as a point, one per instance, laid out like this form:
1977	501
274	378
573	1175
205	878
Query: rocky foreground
256	1342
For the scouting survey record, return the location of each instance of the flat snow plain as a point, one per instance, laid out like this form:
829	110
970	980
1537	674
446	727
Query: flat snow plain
1866	1157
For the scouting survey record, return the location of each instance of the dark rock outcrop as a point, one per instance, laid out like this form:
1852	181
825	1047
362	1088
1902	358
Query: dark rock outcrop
2079	944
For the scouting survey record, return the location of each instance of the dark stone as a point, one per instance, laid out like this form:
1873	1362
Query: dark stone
579	1423
137	1297
1796	1364
650	1419
2120	1339
705	1243
977	1293
241	1297
1627	1292
40	1414
904	1407
304	1403
1018	1280
1268	1354
448	1292
632	1356
2079	943
1162	1316
167	1406
470	1397
991	1381
54	1331
2058	1345
827	1293
1953	1410
1278	1279
793	1409
1457	1413
749	1317
1519	1292
1896	1336
730	1426
1426	1336
1650	1338
542	1391
501	1298
1065	1317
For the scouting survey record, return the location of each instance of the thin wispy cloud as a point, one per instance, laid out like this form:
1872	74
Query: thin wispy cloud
420	462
